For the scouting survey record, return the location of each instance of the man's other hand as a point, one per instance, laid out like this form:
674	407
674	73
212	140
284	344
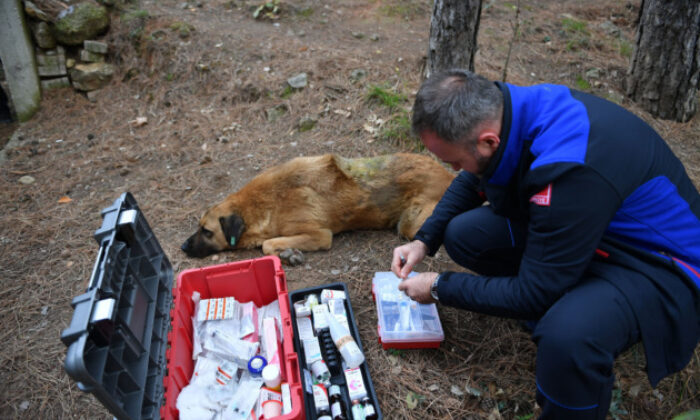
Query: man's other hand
418	287
406	257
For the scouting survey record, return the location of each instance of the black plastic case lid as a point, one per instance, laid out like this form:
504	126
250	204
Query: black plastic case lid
118	335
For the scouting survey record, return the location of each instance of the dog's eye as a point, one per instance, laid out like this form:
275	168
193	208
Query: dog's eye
207	233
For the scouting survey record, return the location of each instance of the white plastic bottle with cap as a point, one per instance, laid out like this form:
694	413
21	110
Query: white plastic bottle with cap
352	355
271	376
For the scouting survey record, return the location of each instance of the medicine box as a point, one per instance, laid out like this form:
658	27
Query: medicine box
130	339
338	376
402	322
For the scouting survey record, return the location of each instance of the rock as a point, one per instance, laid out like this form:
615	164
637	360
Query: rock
91	57
57	83
616	97
374	37
32	11
80	22
358	35
51	62
610	28
306	123
358	74
299	81
94	95
593	73
275	112
98	47
42	36
87	77
24	405
27	180
70	63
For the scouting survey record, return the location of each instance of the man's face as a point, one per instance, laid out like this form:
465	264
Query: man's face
458	156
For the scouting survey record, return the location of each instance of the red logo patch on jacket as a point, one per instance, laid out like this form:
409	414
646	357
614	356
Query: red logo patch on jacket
544	197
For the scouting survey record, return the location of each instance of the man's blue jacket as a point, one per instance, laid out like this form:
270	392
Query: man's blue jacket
602	194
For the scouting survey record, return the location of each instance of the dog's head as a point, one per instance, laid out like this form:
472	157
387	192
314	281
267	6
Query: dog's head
218	231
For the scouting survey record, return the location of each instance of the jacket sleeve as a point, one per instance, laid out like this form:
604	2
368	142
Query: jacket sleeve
562	239
462	195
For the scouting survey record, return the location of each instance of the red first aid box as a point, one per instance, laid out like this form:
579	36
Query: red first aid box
130	339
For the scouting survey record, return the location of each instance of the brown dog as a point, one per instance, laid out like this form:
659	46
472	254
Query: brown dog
300	204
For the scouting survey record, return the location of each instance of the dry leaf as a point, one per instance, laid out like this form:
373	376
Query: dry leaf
139	121
634	390
342	112
456	391
64	200
411	400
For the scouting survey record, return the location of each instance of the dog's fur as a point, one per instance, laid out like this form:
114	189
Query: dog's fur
300	204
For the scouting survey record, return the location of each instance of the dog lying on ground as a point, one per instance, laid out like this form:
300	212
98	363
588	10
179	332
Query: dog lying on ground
299	205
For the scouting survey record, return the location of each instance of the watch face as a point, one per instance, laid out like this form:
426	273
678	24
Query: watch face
433	290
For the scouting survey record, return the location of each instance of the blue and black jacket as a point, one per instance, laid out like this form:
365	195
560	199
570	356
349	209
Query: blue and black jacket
601	193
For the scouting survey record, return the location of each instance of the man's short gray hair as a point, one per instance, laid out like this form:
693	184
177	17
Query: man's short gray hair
453	103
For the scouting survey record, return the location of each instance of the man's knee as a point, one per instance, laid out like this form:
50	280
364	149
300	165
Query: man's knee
484	242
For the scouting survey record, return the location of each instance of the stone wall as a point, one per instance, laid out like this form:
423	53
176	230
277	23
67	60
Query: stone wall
67	50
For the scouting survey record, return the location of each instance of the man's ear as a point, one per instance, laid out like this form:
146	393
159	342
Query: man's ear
488	142
232	227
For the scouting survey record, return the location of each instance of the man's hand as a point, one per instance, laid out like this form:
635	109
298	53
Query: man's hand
418	287
406	257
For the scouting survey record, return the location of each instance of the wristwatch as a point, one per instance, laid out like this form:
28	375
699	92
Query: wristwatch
433	288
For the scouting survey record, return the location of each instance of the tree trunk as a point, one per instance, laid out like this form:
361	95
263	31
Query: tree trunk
665	67
453	29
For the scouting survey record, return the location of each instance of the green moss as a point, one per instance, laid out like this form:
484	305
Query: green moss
306	12
626	49
182	28
287	92
405	9
397	128
385	97
134	14
363	168
85	21
582	84
28	112
574	26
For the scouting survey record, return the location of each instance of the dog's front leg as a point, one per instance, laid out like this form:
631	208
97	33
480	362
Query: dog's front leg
309	241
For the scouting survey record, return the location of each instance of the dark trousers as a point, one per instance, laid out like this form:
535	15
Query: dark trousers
577	339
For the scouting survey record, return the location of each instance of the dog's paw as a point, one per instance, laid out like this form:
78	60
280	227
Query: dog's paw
292	256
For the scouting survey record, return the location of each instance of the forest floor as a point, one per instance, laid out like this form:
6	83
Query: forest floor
211	82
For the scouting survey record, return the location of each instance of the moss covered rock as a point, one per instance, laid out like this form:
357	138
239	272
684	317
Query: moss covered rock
80	22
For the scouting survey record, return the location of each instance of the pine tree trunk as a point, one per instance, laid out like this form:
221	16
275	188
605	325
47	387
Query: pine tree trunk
665	68
453	29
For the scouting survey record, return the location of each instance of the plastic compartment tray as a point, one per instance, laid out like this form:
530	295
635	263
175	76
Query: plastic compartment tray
420	326
298	295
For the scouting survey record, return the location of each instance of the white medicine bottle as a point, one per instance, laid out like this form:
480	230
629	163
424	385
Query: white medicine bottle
352	355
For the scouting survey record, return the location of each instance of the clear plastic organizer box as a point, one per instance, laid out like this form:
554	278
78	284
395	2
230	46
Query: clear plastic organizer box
402	322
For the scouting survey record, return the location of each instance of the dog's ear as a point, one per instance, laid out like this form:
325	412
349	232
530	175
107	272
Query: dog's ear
232	227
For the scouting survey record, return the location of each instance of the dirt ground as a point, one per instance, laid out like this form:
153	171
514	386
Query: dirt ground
205	74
